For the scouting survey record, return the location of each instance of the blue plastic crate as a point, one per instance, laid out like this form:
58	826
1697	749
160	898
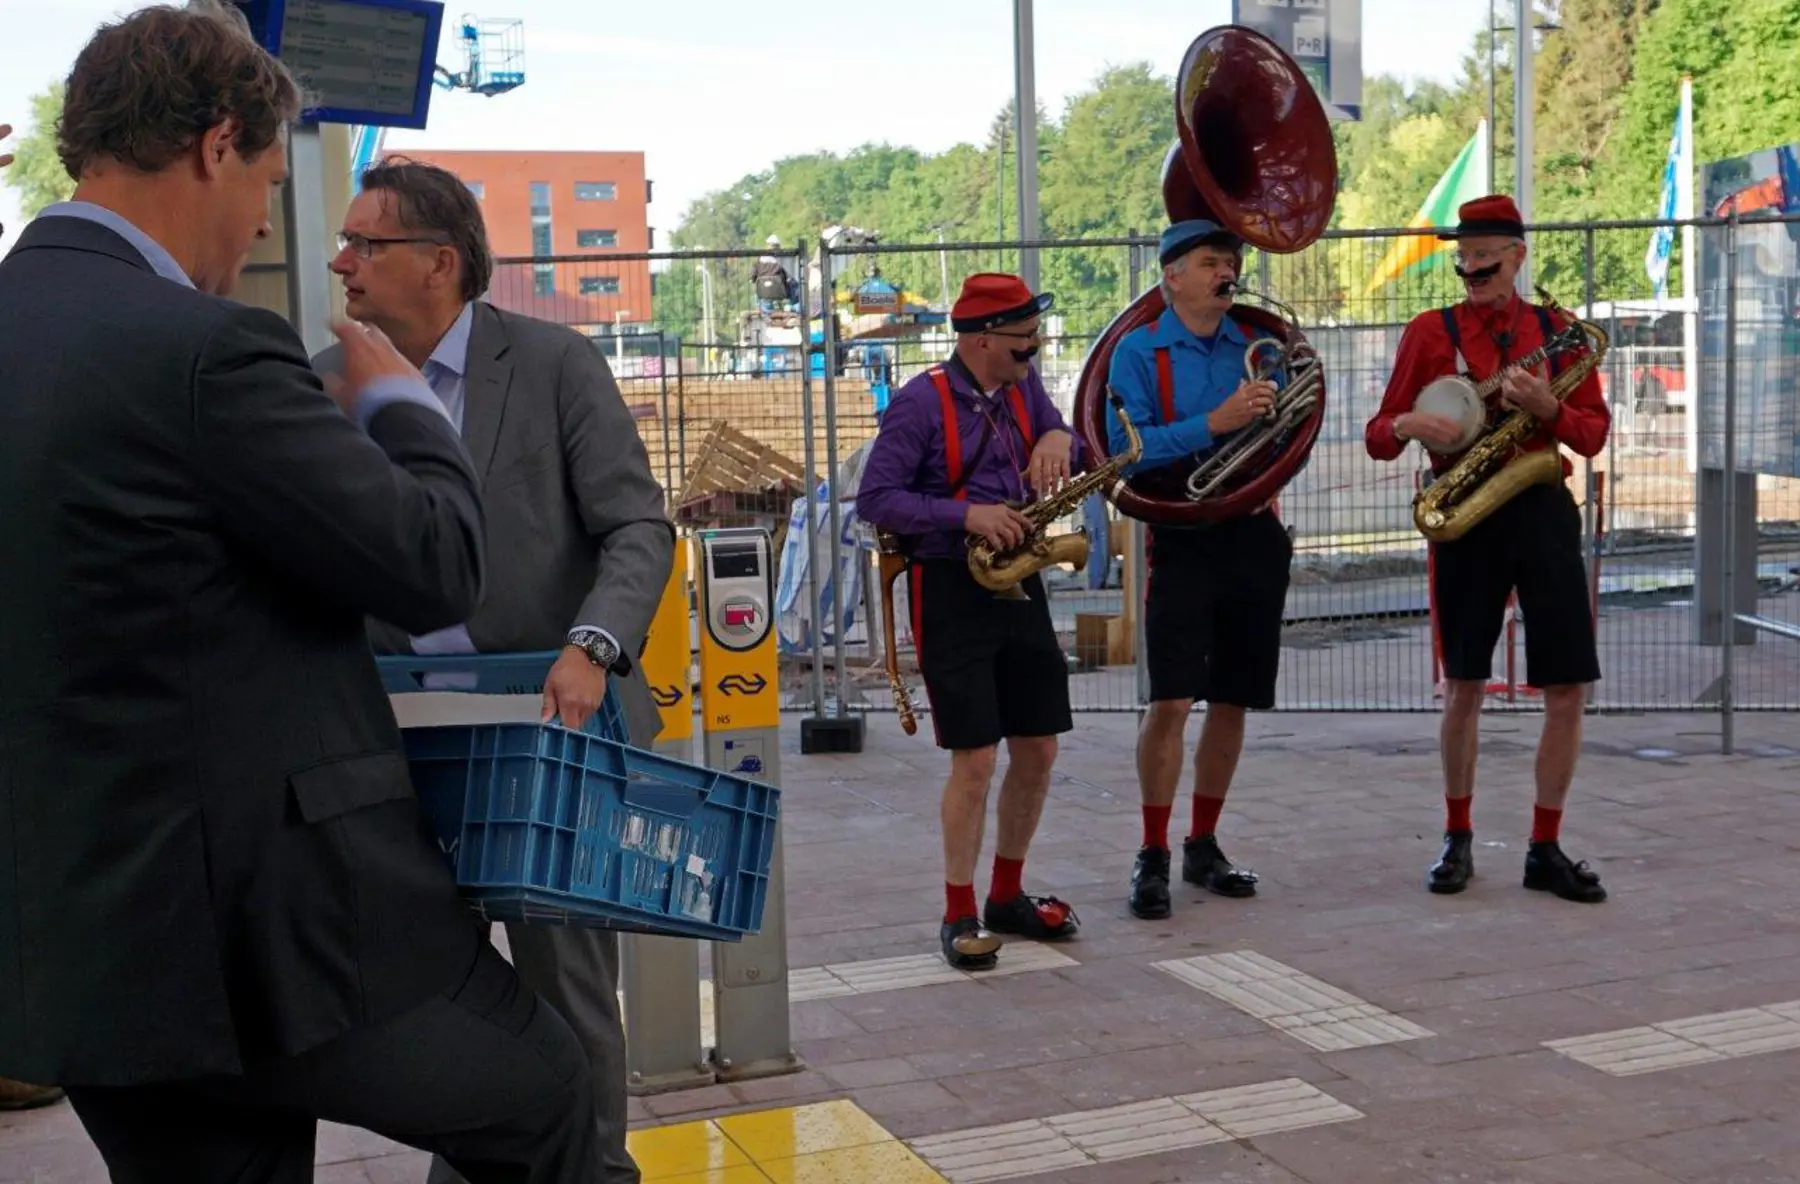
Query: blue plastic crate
493	674
546	825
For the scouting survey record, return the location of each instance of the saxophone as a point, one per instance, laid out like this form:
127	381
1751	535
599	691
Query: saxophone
1001	571
1493	470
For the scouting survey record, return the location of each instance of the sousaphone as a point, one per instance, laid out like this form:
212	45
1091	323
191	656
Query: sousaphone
1253	153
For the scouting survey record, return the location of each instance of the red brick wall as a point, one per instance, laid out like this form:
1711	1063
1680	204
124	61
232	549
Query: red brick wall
506	178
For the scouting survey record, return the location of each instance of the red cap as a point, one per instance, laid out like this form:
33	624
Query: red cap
1495	214
992	298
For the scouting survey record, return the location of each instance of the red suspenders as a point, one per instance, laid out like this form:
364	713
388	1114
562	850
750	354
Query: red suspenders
953	438
1165	376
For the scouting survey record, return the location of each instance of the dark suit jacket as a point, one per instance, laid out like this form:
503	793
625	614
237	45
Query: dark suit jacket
577	532
210	850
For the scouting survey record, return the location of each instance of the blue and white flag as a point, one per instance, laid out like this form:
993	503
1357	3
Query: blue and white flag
1678	174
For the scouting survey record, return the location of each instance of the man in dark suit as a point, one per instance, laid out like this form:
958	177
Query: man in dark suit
21	1095
222	916
578	541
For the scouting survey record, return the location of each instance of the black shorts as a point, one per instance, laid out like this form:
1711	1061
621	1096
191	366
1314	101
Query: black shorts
993	668
1212	612
1533	544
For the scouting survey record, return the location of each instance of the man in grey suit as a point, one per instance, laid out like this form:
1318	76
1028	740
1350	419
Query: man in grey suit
221	913
579	543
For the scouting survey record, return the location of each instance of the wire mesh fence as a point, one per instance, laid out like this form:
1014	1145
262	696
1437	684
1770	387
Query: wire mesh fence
758	381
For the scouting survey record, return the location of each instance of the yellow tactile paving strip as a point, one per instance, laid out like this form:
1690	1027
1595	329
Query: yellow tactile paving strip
824	1143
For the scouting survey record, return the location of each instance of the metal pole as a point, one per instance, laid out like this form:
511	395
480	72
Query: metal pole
1025	104
1492	85
943	270
662	369
831	479
1140	569
809	426
1592	523
303	204
1728	598
1522	114
681	411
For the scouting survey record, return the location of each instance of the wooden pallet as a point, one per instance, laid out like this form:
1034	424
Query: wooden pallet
731	461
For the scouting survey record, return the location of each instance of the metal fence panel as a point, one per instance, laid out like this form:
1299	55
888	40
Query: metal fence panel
727	373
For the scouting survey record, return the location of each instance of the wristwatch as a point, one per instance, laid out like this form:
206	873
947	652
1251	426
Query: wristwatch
600	649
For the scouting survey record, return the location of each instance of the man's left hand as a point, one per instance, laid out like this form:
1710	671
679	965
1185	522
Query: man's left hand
1050	462
1529	391
573	689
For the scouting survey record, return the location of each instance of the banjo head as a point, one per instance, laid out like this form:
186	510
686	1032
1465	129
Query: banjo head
1454	398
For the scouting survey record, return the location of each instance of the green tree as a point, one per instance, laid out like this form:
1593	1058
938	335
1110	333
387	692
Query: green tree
1746	98
38	173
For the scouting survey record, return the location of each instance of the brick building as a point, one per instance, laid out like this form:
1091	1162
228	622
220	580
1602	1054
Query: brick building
594	205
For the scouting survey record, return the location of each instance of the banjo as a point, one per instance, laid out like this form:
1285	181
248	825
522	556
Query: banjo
1464	402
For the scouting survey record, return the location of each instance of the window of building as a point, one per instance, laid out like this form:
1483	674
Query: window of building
542	244
596	238
599	285
596	191
477	188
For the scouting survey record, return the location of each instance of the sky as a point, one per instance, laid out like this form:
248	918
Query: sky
711	90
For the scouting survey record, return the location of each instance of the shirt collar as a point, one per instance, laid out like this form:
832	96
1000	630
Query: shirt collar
158	257
452	352
1504	315
963	379
1172	330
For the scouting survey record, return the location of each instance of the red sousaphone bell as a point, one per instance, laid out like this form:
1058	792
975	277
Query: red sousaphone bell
1254	154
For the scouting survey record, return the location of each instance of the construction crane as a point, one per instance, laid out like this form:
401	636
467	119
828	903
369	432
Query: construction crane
493	57
493	63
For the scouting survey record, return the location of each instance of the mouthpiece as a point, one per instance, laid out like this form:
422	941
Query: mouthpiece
1228	288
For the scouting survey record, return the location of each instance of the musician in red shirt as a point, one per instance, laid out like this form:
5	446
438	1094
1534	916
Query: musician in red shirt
1532	543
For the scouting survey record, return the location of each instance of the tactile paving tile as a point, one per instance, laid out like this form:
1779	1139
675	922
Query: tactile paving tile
915	970
1291	1001
1691	1041
1114	1133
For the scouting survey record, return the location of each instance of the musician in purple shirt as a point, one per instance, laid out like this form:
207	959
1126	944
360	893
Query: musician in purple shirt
957	443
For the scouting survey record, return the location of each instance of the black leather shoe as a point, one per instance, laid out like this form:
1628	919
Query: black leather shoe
1204	864
1455	866
1040	918
1547	869
968	946
1150	884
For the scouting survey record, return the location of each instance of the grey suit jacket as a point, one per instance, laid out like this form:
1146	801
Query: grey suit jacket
577	532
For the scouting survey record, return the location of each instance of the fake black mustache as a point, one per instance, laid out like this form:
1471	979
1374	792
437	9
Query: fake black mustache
1479	275
1024	355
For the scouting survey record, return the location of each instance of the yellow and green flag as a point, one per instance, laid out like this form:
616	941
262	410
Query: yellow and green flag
1465	179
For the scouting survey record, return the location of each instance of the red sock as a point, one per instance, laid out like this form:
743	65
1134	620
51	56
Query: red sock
1546	824
1156	826
1206	815
1009	879
959	902
1457	813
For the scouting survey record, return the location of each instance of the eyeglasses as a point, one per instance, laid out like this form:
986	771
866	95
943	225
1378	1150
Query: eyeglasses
1478	258
364	246
1034	335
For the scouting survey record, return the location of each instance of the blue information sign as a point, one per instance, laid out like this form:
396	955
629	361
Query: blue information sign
359	61
1324	37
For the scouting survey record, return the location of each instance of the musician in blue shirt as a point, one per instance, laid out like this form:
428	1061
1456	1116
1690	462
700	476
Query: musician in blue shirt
1213	608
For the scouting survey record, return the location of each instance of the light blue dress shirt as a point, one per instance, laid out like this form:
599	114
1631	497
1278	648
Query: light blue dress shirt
1206	371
